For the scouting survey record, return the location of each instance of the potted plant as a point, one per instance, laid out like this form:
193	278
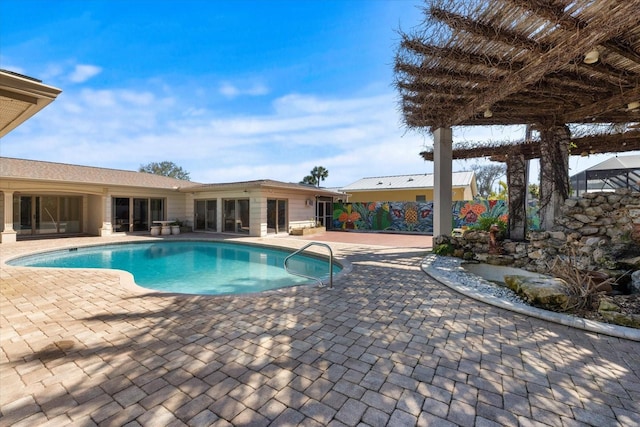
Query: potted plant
175	226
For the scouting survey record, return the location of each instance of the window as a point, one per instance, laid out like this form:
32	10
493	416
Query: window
206	215
236	215
135	214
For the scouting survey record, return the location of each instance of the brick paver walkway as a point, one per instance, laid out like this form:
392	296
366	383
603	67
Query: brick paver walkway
387	346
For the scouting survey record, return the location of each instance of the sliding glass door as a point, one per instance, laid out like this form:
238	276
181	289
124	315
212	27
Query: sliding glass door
276	216
47	214
205	215
135	214
236	215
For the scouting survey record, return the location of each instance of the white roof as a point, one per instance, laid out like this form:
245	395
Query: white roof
625	162
459	179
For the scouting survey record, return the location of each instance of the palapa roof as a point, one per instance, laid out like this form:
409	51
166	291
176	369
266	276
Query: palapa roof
584	146
521	62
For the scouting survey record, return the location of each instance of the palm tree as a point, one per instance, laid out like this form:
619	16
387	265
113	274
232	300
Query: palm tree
320	174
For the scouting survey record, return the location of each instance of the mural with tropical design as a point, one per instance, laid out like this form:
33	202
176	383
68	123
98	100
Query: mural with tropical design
418	216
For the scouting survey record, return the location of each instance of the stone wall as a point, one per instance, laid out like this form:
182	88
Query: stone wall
601	231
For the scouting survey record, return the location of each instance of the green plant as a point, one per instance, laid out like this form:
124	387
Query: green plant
484	223
177	222
445	249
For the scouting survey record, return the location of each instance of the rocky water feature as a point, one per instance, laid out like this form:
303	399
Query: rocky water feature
598	233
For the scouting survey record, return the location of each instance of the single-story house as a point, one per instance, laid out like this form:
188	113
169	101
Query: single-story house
406	188
45	198
38	198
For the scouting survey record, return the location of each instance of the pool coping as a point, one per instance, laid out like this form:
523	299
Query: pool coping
126	279
440	275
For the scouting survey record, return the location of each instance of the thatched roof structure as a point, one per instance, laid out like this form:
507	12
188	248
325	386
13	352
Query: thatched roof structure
547	64
505	62
584	146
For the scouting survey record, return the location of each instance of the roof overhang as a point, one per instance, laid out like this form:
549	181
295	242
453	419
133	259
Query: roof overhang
264	184
20	98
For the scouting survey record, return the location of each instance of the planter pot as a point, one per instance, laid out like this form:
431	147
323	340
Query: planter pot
155	230
306	231
175	229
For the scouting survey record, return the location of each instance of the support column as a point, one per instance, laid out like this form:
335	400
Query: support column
554	176
107	228
442	188
8	234
517	183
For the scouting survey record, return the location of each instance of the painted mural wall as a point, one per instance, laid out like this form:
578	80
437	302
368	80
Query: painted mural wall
418	216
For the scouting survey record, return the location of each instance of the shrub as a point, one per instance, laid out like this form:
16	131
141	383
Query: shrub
484	223
445	249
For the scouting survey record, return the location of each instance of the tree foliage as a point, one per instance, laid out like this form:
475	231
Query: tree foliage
169	169
310	180
486	177
317	175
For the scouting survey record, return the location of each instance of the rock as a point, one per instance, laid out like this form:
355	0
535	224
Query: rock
537	254
622	319
482	257
593	241
614	198
635	282
583	218
548	293
588	230
499	260
600	199
593	211
538	235
476	236
558	235
607	305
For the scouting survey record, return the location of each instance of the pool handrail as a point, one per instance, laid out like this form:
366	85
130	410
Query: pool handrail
311	277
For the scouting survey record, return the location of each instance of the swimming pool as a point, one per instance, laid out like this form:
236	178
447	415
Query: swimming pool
190	267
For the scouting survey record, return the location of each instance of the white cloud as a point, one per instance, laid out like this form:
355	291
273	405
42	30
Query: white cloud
123	128
82	72
230	90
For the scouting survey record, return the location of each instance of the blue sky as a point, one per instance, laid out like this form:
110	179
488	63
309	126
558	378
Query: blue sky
228	90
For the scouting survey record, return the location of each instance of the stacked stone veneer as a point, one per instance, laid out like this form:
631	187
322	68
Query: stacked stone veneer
601	231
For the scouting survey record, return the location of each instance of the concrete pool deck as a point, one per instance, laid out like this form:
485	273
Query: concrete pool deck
388	346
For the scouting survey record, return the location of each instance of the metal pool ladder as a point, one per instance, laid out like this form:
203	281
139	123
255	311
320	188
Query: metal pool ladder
286	267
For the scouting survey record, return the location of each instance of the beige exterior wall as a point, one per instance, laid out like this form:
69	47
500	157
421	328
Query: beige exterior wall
405	195
96	211
97	203
300	214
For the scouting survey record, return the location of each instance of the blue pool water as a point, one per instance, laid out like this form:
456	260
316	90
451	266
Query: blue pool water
190	267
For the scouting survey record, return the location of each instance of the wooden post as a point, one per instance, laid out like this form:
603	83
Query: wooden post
517	183
554	171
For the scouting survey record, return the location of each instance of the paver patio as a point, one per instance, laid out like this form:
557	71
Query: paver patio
387	346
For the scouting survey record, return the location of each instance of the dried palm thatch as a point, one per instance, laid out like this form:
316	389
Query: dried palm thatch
530	149
506	62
